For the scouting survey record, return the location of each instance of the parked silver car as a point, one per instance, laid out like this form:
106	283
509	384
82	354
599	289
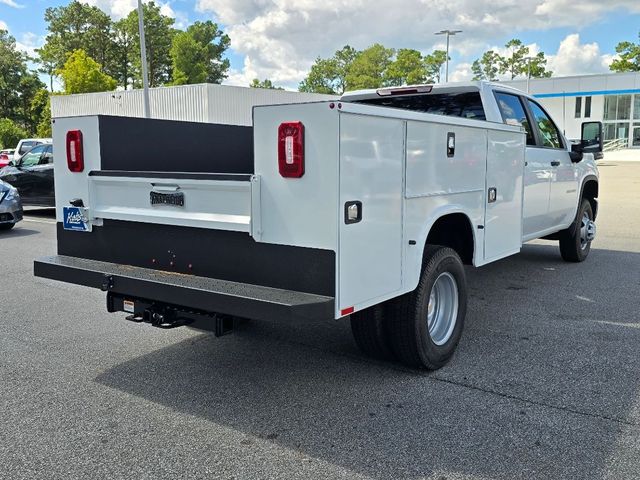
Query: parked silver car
10	206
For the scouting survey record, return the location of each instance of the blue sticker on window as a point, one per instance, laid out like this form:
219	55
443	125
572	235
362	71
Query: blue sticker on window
73	219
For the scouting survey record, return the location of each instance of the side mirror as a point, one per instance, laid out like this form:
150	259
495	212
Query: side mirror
575	154
11	164
591	140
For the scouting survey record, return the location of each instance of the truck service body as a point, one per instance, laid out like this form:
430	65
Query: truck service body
367	206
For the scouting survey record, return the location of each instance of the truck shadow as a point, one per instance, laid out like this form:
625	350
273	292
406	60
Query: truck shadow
545	382
18	231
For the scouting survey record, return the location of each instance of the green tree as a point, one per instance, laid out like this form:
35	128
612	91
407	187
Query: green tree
514	63
629	57
10	133
537	67
76	26
159	33
196	55
44	125
40	111
188	60
18	85
369	67
266	83
408	68
330	75
124	44
30	85
433	64
12	67
82	74
215	43
487	67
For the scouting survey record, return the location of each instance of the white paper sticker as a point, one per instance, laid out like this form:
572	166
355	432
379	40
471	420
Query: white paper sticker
128	306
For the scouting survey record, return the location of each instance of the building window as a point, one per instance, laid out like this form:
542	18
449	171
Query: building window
636	107
587	107
617	107
578	107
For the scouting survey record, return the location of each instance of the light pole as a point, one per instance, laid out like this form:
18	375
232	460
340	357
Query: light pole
528	59
448	33
143	58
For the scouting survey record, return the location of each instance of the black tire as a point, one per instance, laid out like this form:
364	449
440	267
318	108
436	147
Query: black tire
572	248
7	226
371	334
410	338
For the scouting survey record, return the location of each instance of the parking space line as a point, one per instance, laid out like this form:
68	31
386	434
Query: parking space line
38	220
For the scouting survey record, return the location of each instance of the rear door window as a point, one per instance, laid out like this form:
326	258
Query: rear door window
513	113
465	104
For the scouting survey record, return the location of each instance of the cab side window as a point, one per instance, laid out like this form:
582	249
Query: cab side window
513	113
548	132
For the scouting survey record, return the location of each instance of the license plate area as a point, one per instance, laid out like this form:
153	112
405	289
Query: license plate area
173	198
76	219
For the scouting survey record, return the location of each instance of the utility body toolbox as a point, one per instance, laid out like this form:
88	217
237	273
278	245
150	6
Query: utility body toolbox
318	211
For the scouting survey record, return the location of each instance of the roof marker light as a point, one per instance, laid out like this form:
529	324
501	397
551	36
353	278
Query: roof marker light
385	92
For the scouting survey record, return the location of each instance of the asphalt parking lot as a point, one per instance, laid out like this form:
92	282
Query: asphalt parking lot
545	383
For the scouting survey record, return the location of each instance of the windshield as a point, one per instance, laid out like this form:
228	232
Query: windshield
465	104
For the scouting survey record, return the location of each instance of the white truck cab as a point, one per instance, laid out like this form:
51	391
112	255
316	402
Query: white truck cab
364	207
554	174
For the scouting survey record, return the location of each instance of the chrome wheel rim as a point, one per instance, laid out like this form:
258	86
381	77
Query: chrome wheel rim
442	311
587	230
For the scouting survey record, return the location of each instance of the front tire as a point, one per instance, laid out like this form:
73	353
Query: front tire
7	226
426	324
575	242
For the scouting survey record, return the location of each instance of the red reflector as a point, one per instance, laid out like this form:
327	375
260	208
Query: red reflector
291	149
347	311
75	154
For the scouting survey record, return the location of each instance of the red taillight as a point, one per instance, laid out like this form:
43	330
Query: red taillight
291	149
75	155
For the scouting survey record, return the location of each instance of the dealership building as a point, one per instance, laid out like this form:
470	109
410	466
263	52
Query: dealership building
613	99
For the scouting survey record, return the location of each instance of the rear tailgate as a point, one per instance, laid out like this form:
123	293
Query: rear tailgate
203	200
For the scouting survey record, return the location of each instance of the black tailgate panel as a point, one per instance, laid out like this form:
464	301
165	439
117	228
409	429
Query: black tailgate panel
151	145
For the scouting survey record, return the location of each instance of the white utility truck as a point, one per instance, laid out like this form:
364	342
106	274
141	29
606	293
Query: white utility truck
367	206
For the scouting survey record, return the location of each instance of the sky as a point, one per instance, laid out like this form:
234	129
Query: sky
280	39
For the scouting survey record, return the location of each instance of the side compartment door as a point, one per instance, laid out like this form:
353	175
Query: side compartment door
371	184
505	180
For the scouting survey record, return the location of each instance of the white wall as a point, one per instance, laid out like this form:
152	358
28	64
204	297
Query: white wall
195	103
